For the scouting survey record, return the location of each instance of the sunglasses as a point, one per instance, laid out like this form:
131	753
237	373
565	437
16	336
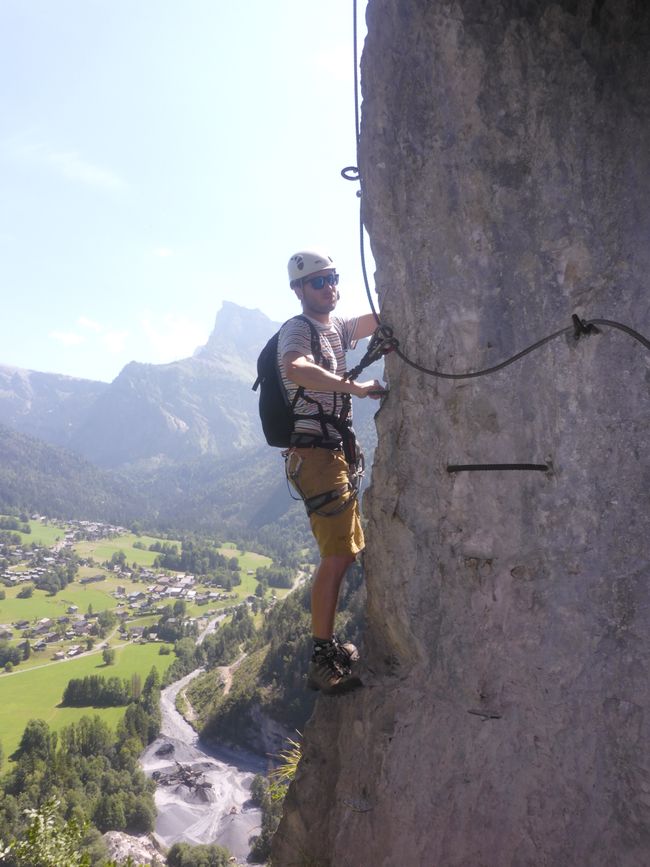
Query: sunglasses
320	282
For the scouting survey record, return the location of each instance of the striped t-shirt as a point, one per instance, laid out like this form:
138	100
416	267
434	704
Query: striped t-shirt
335	339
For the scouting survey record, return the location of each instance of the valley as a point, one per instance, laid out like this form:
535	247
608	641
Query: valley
114	601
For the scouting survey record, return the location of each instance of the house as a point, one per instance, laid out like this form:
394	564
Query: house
43	625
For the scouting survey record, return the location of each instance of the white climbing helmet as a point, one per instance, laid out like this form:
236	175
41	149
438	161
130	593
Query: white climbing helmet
308	262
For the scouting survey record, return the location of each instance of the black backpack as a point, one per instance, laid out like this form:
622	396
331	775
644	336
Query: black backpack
275	408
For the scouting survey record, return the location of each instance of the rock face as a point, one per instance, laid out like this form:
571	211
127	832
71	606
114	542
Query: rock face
140	850
505	158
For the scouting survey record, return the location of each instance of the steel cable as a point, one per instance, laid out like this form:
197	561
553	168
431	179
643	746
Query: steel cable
579	327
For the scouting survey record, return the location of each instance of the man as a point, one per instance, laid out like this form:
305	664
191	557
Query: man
320	461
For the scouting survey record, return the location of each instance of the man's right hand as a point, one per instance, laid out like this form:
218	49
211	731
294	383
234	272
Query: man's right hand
371	388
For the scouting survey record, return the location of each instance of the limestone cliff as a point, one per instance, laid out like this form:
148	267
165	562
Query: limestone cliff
505	162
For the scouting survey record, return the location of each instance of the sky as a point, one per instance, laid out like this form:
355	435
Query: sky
159	157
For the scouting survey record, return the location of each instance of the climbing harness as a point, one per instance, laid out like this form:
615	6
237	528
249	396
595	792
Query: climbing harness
316	503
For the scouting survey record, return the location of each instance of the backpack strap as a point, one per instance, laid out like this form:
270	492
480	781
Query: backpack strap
316	350
317	354
339	421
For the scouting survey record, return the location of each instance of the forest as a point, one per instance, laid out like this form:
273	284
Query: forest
90	772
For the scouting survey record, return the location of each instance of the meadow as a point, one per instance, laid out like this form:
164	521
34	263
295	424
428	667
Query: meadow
35	693
34	689
103	549
248	560
43	534
41	604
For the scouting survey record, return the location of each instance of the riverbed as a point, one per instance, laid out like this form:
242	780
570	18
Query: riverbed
218	809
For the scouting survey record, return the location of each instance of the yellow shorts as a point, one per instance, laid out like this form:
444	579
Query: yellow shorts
317	471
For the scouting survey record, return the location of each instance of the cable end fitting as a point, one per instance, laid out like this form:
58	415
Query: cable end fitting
351	173
582	328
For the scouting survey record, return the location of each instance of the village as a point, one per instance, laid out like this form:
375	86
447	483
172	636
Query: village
75	632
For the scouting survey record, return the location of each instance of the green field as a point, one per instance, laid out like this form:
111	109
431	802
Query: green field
42	534
103	549
247	560
42	605
112	582
35	693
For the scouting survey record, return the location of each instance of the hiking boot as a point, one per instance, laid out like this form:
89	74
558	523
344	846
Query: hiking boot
330	670
346	653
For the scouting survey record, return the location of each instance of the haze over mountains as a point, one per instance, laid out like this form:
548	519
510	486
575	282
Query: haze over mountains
174	433
150	413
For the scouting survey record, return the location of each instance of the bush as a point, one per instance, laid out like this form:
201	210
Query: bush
184	855
48	841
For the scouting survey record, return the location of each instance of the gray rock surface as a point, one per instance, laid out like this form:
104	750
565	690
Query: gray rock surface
140	850
505	158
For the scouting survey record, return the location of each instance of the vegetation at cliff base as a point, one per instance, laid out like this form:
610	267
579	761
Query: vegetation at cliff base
90	774
184	855
272	679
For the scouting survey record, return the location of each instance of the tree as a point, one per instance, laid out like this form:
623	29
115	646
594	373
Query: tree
118	559
108	655
259	789
141	816
184	855
106	620
48	841
36	740
136	686
109	814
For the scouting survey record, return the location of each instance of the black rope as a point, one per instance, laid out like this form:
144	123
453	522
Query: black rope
463	468
355	52
351	173
619	325
580	327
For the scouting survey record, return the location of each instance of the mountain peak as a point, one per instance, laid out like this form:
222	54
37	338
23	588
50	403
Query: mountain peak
238	328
